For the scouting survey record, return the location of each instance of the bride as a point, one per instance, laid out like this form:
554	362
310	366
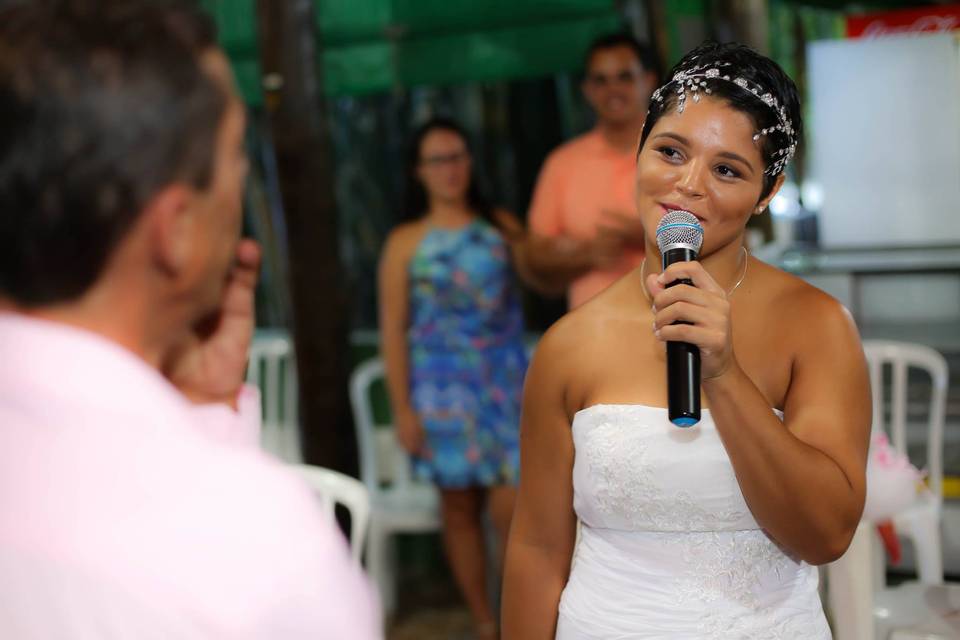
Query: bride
710	531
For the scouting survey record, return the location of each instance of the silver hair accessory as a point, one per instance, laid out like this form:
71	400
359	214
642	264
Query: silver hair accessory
694	79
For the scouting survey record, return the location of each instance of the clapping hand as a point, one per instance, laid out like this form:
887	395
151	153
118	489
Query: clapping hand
624	226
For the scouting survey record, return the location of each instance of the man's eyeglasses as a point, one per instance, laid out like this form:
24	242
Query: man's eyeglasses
600	80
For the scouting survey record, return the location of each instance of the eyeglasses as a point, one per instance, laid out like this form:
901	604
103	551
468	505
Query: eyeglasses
450	158
600	80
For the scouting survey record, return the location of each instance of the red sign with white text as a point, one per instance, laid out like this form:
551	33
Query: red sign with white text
937	19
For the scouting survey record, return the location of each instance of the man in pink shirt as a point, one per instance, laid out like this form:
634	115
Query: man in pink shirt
133	500
585	192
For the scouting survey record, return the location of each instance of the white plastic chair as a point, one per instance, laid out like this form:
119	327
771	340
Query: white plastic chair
910	611
862	608
272	368
921	522
398	503
333	488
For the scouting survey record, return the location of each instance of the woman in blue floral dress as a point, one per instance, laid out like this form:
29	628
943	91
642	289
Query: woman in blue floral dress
452	336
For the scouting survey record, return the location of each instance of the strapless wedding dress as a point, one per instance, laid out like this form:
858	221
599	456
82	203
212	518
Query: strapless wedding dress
668	547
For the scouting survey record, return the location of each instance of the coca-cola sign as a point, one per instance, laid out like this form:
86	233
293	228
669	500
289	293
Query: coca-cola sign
940	19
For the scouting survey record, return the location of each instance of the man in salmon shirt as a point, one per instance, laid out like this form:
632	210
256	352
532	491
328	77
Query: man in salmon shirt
584	195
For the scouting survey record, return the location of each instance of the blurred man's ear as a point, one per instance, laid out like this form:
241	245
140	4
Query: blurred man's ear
587	91
172	232
650	80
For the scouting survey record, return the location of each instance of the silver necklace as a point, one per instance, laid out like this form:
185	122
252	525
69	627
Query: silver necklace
643	276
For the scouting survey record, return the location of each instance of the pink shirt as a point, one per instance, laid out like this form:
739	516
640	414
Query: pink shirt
580	180
127	512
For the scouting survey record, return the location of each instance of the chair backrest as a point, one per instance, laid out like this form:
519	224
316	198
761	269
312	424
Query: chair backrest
381	456
900	357
333	488
273	370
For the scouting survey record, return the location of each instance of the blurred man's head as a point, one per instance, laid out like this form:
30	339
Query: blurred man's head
620	74
121	149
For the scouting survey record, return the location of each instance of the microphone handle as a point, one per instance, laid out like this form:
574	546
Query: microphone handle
683	360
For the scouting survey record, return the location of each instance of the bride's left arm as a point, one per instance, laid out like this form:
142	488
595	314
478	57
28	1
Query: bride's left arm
805	484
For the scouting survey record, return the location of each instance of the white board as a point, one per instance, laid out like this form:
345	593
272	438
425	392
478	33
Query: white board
884	131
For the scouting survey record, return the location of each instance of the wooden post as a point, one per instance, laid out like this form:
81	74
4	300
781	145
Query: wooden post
296	111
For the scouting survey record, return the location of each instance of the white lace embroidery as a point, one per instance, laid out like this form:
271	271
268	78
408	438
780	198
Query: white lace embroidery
687	562
725	569
768	624
727	565
626	485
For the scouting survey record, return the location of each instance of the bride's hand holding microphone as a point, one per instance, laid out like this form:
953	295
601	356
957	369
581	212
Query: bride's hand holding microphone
697	314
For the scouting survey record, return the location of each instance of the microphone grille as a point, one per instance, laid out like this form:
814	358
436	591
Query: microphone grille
679	228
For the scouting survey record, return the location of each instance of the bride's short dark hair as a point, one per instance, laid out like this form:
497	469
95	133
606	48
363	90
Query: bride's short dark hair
743	62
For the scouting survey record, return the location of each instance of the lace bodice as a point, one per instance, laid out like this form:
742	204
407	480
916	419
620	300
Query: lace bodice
668	547
634	473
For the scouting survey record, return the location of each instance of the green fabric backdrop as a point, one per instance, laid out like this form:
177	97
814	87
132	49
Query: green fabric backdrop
372	46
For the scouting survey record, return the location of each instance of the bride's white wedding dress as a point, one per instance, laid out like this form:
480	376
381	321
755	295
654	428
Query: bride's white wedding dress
668	547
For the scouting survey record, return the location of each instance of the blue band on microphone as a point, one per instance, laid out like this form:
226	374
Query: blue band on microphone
679	225
685	422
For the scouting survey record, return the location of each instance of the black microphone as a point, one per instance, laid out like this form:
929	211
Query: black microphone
680	236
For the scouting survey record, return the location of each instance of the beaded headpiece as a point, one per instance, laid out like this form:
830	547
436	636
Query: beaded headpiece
694	79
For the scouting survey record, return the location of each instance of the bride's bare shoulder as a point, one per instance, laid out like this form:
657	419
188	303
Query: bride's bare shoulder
801	308
561	358
583	325
593	332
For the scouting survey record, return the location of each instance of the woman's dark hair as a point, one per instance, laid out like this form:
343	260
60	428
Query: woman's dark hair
415	197
757	69
102	104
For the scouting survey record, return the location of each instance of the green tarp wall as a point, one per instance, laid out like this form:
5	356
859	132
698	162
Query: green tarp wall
371	46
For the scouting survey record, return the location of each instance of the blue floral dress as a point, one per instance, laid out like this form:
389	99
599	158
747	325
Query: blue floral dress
467	357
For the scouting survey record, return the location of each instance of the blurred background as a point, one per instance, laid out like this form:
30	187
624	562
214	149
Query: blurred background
870	212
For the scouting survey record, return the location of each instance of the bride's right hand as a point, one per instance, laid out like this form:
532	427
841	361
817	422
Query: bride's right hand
410	431
698	314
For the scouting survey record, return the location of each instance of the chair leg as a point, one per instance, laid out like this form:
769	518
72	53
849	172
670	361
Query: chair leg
381	565
850	588
925	535
268	439
291	444
878	557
